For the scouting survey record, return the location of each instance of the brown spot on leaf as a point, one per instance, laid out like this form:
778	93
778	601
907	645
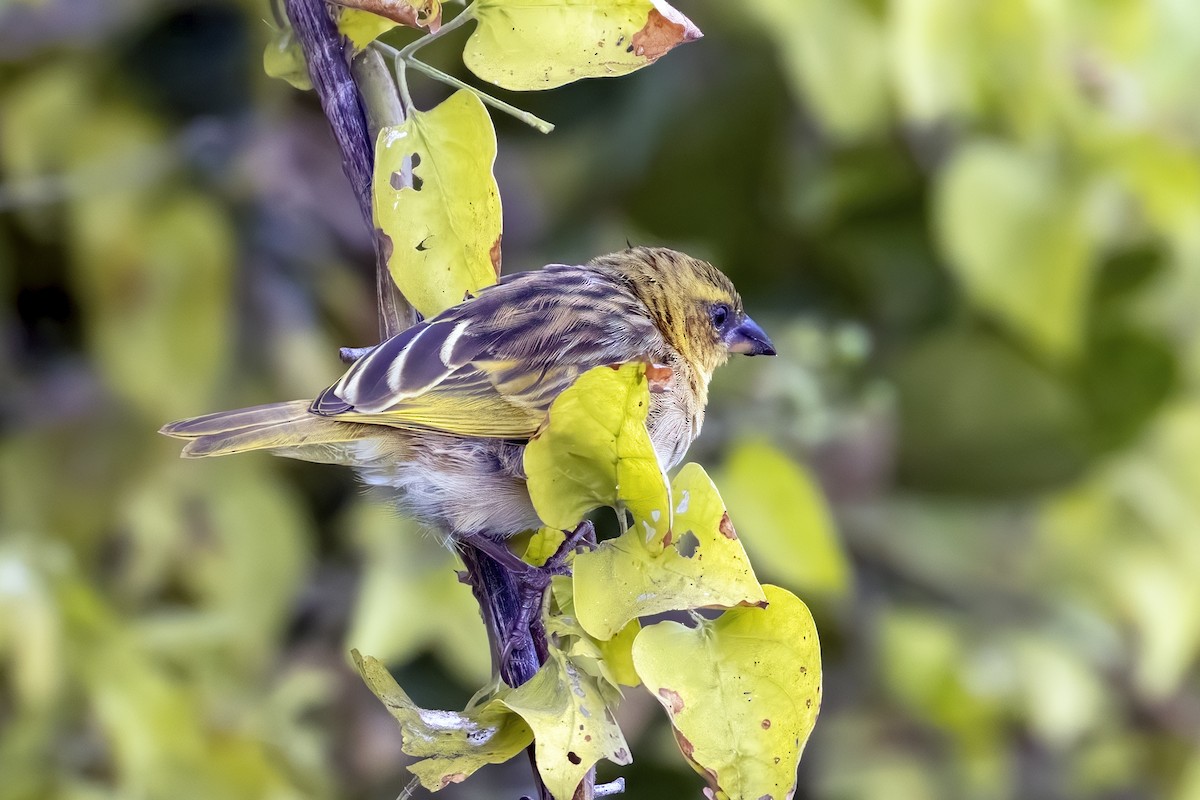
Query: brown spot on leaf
453	777
685	747
674	701
574	758
766	723
726	527
495	254
665	28
667	539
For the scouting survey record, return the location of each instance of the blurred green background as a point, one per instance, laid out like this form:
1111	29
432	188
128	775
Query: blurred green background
972	226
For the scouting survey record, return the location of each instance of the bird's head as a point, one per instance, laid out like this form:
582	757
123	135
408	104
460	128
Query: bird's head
694	305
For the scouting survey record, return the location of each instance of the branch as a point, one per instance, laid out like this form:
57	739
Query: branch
335	83
330	72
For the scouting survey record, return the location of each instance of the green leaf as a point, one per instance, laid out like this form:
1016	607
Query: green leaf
609	659
364	21
451	745
544	543
594	451
742	691
701	563
283	58
362	27
437	202
572	725
540	44
833	53
1015	236
786	522
935	50
405	569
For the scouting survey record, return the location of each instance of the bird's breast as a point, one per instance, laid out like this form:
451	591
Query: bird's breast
674	421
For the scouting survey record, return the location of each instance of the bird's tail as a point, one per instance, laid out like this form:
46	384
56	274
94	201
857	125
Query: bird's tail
288	429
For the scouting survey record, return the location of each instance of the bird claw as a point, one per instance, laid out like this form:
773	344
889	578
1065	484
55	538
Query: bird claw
584	535
532	581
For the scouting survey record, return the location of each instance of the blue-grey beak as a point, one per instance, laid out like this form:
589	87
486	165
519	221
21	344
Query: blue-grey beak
749	339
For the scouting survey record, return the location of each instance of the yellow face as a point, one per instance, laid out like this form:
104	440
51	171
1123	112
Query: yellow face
694	304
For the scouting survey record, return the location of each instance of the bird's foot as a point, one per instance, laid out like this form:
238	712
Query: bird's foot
532	581
584	535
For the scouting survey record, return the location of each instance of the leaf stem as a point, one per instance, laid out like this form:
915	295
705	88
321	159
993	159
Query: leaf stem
463	18
537	123
406	57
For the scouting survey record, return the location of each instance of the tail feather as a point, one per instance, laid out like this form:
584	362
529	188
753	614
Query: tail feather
224	421
286	428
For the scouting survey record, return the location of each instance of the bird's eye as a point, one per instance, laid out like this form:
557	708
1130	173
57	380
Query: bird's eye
720	313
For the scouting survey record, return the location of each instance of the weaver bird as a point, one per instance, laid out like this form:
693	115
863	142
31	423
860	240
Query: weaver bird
439	414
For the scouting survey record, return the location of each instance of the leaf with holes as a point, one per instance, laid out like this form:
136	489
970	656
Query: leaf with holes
437	202
594	451
451	745
742	691
572	725
540	44
701	564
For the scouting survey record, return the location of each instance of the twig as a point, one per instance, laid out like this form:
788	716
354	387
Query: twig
407	58
610	789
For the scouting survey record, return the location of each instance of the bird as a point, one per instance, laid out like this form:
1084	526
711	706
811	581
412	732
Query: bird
438	415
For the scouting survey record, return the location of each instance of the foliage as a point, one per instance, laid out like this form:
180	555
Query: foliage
437	202
1013	495
437	208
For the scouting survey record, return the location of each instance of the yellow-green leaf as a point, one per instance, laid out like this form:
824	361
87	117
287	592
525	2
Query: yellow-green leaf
364	21
540	44
362	27
409	600
742	691
544	543
1015	236
786	523
284	59
451	745
833	53
594	451
572	725
701	564
609	659
437	202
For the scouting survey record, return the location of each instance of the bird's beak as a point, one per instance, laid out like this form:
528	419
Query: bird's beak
749	339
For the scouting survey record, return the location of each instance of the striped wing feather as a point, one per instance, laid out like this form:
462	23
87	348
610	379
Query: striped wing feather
491	366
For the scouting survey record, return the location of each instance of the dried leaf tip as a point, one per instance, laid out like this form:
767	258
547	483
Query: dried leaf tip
420	14
665	29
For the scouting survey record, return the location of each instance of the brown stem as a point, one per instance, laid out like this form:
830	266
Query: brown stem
330	70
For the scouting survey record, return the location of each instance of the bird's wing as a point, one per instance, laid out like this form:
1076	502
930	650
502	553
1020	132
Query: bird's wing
491	366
